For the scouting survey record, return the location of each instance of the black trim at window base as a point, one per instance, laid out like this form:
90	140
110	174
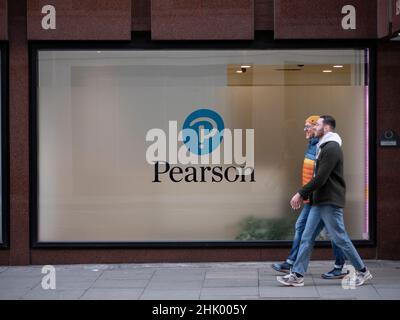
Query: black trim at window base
5	194
142	41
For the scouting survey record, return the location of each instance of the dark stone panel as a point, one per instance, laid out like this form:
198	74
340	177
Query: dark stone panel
141	12
319	253
82	20
383	18
60	256
19	134
202	19
4	257
322	19
388	159
3	20
264	14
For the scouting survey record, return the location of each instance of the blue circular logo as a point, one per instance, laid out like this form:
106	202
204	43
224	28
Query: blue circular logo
203	131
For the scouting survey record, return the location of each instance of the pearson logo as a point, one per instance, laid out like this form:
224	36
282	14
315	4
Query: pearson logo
208	126
202	151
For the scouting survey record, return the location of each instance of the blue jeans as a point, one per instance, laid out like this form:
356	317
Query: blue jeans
332	217
300	226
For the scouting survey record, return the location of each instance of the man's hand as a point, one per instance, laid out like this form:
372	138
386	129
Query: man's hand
296	201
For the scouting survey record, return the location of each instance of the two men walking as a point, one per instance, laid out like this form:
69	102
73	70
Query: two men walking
326	191
307	175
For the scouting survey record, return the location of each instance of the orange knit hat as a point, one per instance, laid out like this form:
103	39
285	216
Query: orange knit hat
312	119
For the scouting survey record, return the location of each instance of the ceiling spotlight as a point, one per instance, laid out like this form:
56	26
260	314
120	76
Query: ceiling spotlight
327	71
338	66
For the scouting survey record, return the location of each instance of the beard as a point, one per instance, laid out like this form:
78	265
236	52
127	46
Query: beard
319	133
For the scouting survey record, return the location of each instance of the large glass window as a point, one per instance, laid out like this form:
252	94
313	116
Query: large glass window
108	121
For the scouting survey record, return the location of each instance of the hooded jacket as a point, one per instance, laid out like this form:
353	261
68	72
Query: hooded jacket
327	187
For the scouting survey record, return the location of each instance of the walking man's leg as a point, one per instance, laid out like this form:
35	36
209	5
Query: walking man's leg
312	229
340	259
332	217
299	229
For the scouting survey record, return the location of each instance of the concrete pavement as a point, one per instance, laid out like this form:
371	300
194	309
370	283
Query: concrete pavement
193	281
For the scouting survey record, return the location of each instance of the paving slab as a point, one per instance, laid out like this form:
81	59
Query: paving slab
280	291
366	292
127	274
3	269
57	294
389	293
174	285
170	295
12	294
232	274
120	283
112	294
215	283
18	282
230	291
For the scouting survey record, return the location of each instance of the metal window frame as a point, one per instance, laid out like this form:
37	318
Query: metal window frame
142	41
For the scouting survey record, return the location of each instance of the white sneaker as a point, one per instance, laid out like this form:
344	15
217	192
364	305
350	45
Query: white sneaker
291	280
361	277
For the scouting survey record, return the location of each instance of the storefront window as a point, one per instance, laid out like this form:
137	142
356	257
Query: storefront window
108	121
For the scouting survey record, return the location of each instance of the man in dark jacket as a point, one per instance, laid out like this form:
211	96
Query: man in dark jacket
327	190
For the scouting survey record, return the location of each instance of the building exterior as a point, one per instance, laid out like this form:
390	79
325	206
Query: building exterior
166	130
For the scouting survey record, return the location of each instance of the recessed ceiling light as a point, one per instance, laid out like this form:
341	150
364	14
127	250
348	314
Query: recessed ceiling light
245	66
338	66
326	71
98	51
239	71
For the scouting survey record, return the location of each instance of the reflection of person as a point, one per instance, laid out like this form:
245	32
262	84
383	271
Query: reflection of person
308	172
328	190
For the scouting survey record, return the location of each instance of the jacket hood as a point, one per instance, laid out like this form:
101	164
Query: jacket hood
330	136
